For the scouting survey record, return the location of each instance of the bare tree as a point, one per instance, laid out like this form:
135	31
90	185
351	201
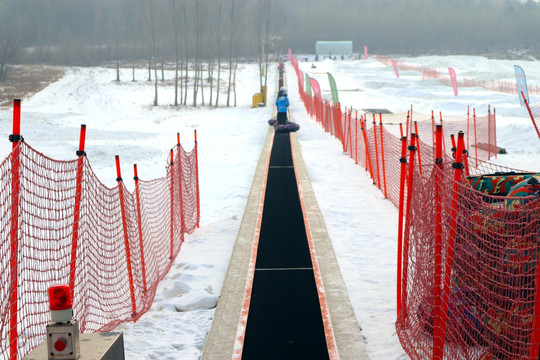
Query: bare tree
218	51
117	24
153	57
232	37
176	34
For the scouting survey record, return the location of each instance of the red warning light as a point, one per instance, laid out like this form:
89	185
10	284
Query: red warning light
60	345
60	298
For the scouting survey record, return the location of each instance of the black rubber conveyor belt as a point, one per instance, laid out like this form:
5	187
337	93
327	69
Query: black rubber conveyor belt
284	320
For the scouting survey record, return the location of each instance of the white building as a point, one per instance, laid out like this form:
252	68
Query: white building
333	48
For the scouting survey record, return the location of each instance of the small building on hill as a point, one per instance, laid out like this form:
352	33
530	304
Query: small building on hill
334	48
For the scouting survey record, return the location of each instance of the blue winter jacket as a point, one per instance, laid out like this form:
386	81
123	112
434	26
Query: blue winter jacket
282	103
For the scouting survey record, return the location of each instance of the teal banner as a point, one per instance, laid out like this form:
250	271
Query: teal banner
333	88
308	85
521	83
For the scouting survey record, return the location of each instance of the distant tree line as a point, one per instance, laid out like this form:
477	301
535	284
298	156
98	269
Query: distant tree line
417	26
197	38
202	37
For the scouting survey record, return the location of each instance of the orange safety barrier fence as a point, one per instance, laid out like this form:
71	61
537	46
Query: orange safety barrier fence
373	143
60	224
504	86
468	239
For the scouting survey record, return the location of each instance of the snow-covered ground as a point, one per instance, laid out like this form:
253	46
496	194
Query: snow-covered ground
361	223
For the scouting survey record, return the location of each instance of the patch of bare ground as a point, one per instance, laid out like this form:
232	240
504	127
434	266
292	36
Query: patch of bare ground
25	80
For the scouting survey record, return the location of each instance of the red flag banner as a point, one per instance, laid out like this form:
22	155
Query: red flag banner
315	87
365	52
396	69
453	79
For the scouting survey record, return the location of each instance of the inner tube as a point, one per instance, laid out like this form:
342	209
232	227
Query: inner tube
287	127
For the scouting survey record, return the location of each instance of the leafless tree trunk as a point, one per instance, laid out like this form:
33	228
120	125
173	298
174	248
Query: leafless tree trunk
186	52
176	30
198	35
232	38
153	40
218	53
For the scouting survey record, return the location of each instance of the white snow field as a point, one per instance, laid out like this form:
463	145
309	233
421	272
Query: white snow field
362	225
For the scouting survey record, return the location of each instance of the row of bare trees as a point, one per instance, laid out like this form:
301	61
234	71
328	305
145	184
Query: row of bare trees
200	41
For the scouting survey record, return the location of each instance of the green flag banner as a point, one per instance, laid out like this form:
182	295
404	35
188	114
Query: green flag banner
308	85
333	87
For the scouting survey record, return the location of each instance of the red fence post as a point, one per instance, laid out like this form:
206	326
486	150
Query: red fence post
382	156
180	184
403	161
368	158
412	150
126	237
418	147
376	152
197	179
489	135
433	131
407	125
76	212
468	129
171	174
139	222
438	230
494	122
439	333
350	135
356	138
15	139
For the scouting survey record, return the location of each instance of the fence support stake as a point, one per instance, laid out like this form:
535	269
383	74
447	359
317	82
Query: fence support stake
475	138
126	237
76	217
180	184
412	151
368	158
403	161
139	223
171	174
376	152
439	333
382	157
15	139
197	179
438	229
418	148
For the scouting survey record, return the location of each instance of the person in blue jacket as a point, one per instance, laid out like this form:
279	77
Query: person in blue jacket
282	104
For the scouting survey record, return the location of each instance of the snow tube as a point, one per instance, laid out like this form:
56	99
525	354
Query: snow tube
272	122
497	184
523	192
287	127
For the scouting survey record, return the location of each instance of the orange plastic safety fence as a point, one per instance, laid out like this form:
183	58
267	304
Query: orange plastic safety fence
494	272
469	288
103	297
504	86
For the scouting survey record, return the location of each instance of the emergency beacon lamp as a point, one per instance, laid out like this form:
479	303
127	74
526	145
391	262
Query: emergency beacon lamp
63	330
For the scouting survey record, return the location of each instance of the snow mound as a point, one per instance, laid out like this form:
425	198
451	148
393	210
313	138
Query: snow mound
201	299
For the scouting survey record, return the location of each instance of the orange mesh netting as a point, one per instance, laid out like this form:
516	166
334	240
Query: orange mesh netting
468	252
488	258
504	86
121	253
